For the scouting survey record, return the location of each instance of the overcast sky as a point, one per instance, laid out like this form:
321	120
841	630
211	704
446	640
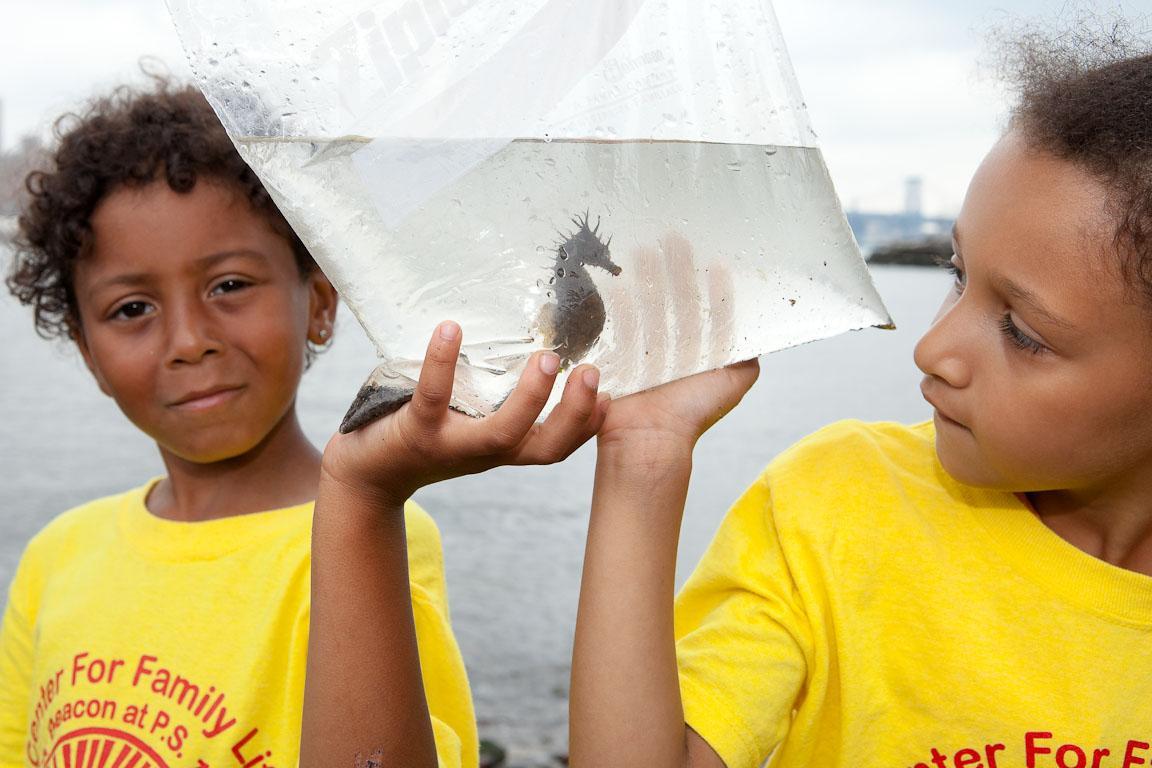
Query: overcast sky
893	87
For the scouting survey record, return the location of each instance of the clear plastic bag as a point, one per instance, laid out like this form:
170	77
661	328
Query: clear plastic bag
633	183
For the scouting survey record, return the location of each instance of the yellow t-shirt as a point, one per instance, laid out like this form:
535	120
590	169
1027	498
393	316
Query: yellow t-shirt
130	641
860	608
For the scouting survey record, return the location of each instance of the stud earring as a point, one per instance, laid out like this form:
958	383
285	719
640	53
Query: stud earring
323	334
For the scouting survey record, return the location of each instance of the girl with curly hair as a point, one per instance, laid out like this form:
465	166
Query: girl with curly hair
171	625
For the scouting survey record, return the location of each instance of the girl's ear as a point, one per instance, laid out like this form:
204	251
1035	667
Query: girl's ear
322	302
82	345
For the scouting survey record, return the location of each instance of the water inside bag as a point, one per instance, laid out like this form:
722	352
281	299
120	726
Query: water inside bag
721	252
633	183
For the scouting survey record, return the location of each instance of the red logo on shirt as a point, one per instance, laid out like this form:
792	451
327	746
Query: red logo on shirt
102	748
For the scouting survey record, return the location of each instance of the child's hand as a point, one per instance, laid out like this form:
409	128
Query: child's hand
673	416
425	442
670	418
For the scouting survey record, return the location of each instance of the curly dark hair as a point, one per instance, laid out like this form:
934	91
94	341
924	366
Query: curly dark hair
130	137
1085	96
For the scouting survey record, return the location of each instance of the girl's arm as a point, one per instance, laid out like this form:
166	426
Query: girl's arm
363	681
625	698
364	702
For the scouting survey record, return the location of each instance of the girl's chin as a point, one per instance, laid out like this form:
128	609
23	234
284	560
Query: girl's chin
214	453
967	467
962	463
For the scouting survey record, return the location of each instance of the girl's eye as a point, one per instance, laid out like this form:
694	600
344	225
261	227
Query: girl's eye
229	285
957	273
1018	338
132	309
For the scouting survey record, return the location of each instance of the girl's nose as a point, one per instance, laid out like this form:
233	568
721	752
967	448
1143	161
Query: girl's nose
941	350
192	333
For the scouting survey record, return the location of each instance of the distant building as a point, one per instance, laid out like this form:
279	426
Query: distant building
913	194
876	230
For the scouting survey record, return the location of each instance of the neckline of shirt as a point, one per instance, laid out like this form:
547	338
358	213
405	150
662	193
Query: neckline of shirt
1059	567
159	538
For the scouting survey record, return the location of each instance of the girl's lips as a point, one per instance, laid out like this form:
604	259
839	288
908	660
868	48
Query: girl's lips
199	401
950	422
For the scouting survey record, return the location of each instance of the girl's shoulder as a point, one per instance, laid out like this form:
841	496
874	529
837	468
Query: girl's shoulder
70	534
875	439
856	450
86	521
860	474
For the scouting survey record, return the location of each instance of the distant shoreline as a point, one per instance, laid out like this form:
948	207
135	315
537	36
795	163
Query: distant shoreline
928	252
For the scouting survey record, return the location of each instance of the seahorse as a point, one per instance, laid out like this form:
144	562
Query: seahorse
572	324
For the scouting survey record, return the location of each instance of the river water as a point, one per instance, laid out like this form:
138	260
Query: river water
513	537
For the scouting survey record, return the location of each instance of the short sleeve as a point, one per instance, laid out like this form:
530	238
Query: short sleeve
742	638
16	665
441	665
